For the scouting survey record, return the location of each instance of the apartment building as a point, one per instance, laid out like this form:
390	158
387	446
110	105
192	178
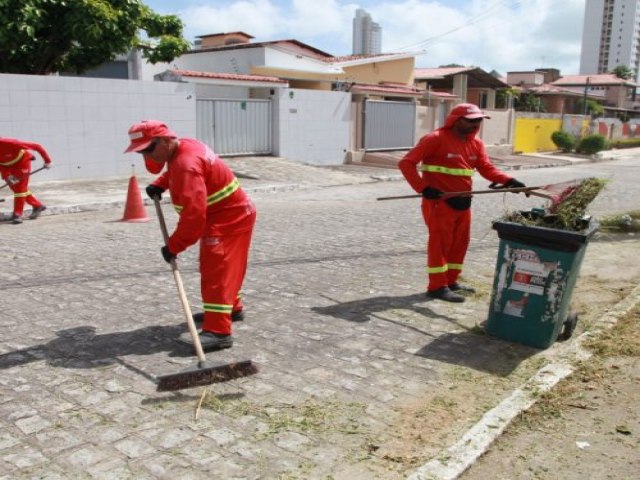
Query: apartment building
611	36
367	35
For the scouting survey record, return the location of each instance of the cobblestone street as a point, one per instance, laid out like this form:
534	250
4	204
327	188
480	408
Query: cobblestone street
352	354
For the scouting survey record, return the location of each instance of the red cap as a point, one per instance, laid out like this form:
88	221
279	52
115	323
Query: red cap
141	134
466	110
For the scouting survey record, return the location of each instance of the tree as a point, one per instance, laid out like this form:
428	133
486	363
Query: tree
451	65
624	72
528	102
46	36
593	108
505	97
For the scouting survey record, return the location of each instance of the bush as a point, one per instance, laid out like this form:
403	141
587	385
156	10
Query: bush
563	140
591	144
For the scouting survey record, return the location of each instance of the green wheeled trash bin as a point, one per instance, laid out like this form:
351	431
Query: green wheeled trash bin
536	271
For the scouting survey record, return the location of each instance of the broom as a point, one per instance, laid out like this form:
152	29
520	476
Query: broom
204	373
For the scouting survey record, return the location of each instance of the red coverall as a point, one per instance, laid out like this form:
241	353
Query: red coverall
214	209
15	167
447	164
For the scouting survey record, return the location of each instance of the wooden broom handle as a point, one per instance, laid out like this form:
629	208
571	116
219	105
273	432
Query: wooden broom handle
178	279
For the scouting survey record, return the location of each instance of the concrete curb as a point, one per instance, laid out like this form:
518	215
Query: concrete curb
476	441
96	206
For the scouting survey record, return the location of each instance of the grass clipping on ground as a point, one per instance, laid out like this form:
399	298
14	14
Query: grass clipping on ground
624	222
568	208
620	341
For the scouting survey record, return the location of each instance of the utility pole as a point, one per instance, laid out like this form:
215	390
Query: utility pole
586	90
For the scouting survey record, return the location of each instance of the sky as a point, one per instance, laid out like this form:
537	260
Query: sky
500	35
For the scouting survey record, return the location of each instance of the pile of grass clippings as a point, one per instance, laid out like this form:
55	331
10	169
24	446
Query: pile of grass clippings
568	209
625	222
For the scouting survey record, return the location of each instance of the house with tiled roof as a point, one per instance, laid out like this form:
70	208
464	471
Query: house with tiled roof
618	94
466	84
303	66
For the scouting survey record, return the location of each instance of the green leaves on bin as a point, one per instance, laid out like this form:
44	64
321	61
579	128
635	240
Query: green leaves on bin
568	209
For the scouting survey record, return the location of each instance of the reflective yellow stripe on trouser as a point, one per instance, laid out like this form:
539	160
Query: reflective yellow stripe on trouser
458	172
217	308
218	196
22	194
445	268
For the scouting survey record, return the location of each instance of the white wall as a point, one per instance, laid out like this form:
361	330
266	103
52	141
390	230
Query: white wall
83	122
314	126
223	61
496	130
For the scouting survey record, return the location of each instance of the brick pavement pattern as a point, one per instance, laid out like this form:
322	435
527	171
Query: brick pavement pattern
336	317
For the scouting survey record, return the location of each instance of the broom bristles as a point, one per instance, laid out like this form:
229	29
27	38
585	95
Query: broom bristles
205	375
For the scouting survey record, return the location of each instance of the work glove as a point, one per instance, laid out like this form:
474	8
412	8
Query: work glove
432	193
154	191
12	179
513	183
167	255
47	166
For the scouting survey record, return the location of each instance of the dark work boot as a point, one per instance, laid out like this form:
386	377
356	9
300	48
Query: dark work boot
35	213
456	287
209	340
238	316
445	294
16	219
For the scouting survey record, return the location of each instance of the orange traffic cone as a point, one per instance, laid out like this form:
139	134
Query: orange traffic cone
134	210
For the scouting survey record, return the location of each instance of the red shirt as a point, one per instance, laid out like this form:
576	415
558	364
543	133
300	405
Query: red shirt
206	195
448	162
15	152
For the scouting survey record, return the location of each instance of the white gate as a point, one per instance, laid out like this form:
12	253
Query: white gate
235	127
388	125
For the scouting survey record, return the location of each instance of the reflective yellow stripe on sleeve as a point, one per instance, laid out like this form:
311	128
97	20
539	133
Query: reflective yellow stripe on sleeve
458	172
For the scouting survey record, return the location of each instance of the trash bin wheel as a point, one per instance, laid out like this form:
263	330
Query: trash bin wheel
569	326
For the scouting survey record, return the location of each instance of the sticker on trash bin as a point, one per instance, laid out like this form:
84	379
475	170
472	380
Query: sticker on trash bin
523	271
529	277
516	308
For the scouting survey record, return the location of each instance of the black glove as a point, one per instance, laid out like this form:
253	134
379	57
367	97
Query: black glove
432	193
513	183
167	255
154	191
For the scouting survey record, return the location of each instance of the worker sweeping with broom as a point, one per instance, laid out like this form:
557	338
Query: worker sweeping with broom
447	159
15	168
213	209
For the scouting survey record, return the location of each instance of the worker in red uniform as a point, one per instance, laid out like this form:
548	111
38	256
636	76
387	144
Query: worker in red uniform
15	168
212	209
447	159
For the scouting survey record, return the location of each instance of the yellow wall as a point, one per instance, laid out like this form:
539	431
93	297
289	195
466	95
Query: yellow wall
396	71
534	134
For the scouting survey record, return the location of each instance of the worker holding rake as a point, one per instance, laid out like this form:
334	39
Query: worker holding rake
15	168
447	159
213	209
